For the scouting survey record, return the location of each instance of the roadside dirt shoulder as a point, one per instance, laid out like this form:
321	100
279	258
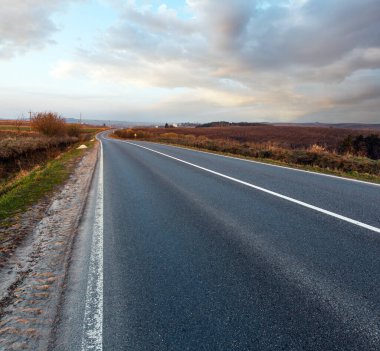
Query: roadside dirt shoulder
31	280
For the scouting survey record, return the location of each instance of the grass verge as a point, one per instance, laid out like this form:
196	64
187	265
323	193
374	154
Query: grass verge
17	195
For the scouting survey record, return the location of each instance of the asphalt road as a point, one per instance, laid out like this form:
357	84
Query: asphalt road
203	252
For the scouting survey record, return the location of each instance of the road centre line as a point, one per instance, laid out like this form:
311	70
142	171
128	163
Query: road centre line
284	197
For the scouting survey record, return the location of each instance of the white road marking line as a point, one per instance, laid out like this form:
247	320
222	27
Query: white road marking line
269	164
92	338
290	199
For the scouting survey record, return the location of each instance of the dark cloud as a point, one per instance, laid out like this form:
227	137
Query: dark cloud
313	35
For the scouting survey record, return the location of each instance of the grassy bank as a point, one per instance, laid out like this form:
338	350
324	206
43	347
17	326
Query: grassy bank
312	157
18	194
24	151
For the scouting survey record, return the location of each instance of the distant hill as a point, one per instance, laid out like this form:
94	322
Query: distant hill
116	124
231	124
355	126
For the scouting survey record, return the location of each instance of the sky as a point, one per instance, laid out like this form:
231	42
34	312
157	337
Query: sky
192	60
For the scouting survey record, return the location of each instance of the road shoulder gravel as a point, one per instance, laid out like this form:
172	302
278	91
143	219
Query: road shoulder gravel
32	280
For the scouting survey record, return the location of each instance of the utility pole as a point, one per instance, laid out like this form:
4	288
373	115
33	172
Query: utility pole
30	119
80	118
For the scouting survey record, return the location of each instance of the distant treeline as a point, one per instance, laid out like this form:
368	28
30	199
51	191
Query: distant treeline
231	124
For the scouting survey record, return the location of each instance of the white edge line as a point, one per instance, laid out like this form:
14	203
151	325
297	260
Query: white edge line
267	164
92	337
290	199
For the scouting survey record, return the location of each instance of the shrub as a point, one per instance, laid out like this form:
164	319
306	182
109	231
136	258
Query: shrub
373	146
49	123
73	130
368	146
132	134
190	137
140	134
125	133
169	135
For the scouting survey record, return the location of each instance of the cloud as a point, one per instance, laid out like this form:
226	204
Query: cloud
224	24
278	59
26	25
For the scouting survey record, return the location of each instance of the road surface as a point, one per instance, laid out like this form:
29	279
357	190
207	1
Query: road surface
183	250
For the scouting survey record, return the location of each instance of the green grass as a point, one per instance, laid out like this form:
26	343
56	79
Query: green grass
11	127
18	195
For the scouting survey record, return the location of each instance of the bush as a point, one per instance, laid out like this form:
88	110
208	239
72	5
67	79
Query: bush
49	123
368	146
125	133
73	130
169	135
190	137
373	146
132	134
140	134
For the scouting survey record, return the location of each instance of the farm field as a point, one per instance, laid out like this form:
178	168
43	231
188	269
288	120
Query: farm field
14	125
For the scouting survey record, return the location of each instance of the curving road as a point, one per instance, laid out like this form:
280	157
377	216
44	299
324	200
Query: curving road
204	252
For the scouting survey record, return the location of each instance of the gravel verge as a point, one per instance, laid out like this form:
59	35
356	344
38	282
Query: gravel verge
33	275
